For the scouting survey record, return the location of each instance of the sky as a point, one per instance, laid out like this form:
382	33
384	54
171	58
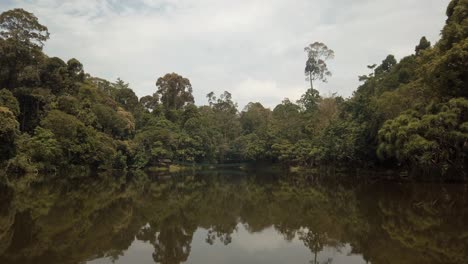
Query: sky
251	48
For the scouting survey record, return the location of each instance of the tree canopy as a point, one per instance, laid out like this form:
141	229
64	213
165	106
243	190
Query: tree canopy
23	28
316	66
407	113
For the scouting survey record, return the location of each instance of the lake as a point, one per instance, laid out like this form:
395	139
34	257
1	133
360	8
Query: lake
231	216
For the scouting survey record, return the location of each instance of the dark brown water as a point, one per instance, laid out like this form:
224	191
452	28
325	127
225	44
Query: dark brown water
231	217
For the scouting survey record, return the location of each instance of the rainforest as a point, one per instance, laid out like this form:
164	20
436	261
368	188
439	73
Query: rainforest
92	173
406	115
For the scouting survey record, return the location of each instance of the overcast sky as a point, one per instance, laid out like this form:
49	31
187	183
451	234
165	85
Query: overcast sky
252	48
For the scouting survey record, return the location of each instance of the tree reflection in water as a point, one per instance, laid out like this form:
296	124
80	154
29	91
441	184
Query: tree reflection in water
315	242
55	221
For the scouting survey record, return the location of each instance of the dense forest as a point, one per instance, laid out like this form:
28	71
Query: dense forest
407	114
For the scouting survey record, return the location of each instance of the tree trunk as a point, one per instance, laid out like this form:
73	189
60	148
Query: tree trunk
310	78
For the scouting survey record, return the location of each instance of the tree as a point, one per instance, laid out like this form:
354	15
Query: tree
225	120
316	67
75	70
21	41
125	96
54	75
363	78
23	28
437	138
252	148
254	142
456	28
310	100
386	65
150	103
315	241
327	111
120	84
9	126
423	45
8	100
119	124
448	72
255	118
287	122
42	149
175	91
8	132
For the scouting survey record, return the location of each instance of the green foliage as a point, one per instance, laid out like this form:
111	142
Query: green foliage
154	142
344	141
448	72
255	118
456	28
81	145
125	96
287	121
119	124
436	137
223	119
310	100
150	103
405	113
8	100
21	41
9	123
8	132
424	44
42	147
54	74
68	104
175	91
386	65
23	27
251	147
41	151
75	70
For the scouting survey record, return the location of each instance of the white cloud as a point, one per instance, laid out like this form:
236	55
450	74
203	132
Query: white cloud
253	48
266	92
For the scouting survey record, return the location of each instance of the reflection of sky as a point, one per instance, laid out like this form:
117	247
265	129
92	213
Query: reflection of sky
138	253
266	241
267	246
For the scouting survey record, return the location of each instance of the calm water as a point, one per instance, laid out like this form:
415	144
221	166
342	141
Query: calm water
231	217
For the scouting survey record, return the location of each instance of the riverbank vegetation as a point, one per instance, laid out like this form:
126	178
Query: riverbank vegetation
410	113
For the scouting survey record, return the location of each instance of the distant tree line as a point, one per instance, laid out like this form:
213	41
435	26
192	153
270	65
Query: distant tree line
411	113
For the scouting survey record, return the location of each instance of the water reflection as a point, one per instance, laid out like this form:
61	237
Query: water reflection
227	217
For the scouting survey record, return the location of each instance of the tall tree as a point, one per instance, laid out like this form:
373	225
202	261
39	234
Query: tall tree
316	66
23	28
21	41
175	91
